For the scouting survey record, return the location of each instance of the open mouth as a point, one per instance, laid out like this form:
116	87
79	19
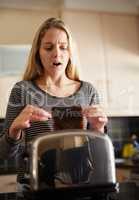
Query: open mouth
57	64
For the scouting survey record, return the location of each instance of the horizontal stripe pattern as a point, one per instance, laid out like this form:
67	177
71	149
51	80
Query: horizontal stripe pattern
27	92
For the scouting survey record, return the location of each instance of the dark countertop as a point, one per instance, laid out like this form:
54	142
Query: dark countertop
126	164
128	191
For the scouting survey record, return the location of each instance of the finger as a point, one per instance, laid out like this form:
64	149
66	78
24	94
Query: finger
21	124
92	109
32	110
39	118
97	113
94	106
103	119
41	113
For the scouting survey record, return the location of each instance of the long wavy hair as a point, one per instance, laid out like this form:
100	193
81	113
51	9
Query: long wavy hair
34	68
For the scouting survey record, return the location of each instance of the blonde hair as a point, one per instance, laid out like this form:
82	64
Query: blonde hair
34	67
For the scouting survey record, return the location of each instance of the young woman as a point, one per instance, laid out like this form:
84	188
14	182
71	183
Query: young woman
51	80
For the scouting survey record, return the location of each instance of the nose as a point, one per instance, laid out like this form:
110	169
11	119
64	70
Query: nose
56	51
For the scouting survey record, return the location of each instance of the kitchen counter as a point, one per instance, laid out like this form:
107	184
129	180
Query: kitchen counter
126	163
126	170
8	183
128	191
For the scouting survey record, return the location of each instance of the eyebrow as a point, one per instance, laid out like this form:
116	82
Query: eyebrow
48	43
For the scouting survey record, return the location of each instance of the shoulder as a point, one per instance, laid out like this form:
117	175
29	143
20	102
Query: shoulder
22	85
91	92
89	87
20	90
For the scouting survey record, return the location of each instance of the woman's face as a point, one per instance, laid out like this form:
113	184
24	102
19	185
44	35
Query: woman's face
54	51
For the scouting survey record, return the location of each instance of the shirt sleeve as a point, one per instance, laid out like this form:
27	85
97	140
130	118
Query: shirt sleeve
95	99
93	95
9	147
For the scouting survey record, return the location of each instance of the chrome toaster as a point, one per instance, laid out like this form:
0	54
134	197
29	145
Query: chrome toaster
66	160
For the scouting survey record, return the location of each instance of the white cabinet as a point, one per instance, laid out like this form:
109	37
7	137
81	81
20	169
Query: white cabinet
13	59
86	31
121	44
6	84
109	53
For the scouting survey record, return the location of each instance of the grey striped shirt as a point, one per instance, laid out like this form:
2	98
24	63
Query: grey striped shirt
27	92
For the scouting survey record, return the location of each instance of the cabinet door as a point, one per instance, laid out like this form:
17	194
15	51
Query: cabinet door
86	31
13	59
121	44
6	83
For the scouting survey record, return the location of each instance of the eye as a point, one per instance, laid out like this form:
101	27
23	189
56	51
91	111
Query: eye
63	47
48	48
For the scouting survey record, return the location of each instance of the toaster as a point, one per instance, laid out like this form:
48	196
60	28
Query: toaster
72	163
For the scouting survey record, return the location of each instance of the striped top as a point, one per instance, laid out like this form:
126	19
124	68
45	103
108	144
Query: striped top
27	92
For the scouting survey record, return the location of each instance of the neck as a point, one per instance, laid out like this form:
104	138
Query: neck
58	81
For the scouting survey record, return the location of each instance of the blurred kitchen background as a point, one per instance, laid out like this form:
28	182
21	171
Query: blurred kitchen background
106	33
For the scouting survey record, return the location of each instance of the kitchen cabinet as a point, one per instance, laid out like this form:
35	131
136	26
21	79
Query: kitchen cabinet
6	83
121	45
86	31
18	26
109	55
13	59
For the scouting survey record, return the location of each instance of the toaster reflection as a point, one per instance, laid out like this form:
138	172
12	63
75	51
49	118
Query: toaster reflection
71	159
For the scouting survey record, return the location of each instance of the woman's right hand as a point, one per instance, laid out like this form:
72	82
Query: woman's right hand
23	120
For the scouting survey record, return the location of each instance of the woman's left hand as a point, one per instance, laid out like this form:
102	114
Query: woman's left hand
96	117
